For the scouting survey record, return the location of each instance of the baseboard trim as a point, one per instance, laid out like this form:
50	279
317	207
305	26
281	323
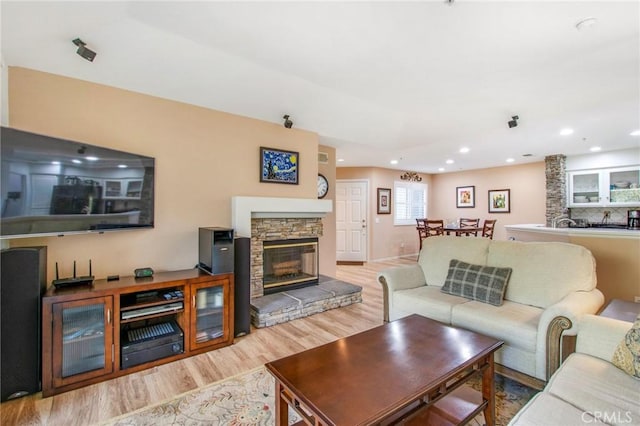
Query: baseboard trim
350	262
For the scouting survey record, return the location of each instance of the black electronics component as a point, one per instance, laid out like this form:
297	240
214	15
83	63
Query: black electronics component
145	344
215	250
113	277
151	310
143	272
73	281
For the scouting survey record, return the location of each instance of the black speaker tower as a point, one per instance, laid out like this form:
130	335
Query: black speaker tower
22	284
242	286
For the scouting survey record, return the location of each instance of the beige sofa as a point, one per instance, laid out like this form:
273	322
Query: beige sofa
551	286
587	389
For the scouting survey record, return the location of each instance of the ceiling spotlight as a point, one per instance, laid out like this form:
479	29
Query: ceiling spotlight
514	121
287	123
82	149
566	132
83	51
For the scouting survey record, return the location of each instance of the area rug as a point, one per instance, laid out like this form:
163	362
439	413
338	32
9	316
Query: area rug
248	399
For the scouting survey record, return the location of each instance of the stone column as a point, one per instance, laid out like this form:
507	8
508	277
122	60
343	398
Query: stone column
556	185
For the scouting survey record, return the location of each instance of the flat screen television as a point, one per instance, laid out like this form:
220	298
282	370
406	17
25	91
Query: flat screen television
52	186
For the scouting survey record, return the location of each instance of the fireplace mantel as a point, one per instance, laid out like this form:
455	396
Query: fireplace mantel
245	208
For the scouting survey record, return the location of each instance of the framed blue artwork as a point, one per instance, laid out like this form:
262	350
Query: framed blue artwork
279	166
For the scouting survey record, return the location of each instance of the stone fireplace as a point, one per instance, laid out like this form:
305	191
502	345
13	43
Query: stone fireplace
284	232
291	223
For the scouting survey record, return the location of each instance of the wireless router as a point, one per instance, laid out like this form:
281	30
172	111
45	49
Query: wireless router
73	281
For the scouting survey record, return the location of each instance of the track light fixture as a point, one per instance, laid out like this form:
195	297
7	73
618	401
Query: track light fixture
514	121
287	123
84	51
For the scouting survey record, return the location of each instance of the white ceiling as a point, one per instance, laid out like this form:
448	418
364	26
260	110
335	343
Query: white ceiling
412	81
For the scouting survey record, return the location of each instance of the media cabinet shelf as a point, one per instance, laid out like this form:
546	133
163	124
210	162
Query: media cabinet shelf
83	333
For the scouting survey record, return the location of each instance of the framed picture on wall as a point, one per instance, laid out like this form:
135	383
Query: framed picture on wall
384	201
278	166
499	201
465	196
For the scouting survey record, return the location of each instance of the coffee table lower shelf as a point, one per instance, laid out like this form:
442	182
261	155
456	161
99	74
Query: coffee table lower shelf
457	407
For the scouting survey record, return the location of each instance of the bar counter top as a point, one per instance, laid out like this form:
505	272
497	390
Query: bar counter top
576	232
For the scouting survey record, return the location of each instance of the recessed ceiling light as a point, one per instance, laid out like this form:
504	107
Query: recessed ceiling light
449	161
464	150
635	133
74	161
441	169
510	160
91	158
122	166
595	149
55	162
585	24
394	161
340	160
566	132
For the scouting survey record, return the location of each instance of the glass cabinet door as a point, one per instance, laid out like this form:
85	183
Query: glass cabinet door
209	310
584	188
82	333
624	186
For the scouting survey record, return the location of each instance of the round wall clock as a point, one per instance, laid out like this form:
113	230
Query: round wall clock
323	186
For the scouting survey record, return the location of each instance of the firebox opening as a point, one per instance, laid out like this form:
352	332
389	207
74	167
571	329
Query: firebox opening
289	264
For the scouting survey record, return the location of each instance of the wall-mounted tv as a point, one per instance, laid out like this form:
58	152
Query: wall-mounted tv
53	186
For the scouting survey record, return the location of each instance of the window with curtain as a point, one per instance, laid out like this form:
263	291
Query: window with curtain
410	202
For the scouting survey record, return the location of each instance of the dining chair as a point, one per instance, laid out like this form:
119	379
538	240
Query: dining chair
487	228
469	223
434	227
421	226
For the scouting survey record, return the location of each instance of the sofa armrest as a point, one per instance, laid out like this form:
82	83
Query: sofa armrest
600	336
399	278
561	319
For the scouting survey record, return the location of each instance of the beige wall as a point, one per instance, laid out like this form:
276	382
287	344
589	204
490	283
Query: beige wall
617	265
203	158
528	198
386	240
526	182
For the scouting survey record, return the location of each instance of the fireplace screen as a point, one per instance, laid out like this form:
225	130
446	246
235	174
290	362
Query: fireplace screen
289	264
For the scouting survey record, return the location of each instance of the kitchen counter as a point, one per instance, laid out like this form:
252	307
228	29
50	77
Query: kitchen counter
575	232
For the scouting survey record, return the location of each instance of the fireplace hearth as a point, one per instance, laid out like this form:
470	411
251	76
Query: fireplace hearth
289	264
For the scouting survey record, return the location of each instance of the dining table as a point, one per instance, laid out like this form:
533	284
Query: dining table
466	231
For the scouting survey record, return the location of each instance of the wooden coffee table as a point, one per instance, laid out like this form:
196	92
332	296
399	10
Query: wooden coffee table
409	371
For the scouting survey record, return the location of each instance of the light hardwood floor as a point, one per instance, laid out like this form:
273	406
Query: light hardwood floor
97	403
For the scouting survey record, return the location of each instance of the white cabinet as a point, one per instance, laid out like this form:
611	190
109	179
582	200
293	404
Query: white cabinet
619	187
123	188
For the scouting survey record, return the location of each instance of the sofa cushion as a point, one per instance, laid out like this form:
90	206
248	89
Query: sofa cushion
546	409
627	354
514	323
477	282
543	272
597	386
428	301
438	251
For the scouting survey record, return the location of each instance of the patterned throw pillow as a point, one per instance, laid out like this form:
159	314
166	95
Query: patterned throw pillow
627	354
485	284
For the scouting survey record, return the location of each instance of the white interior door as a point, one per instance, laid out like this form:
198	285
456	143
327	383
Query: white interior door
352	205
